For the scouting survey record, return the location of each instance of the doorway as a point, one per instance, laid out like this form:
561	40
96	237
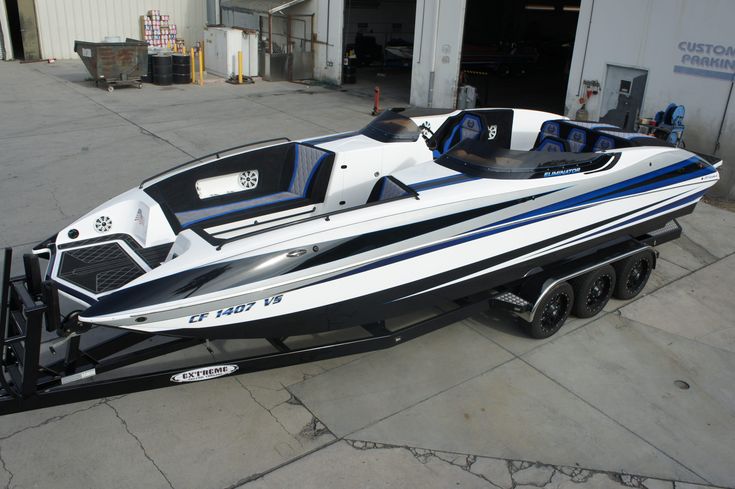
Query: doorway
622	96
379	42
23	29
517	53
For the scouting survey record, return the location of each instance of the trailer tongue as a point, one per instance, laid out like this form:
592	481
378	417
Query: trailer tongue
41	369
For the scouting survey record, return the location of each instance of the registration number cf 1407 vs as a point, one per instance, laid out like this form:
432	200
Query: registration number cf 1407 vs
238	309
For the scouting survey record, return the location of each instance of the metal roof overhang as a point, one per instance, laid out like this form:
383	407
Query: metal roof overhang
264	7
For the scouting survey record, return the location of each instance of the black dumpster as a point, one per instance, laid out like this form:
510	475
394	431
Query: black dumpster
114	63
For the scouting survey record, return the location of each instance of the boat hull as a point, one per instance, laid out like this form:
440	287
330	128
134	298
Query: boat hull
482	275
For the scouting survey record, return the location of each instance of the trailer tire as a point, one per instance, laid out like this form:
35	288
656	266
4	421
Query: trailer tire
593	290
552	311
633	274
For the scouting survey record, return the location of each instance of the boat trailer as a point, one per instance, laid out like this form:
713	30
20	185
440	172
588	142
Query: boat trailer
43	364
40	368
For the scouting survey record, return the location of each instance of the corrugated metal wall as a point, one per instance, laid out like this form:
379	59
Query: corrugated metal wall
61	22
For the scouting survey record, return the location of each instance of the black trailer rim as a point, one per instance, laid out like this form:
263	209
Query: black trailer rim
599	292
554	312
638	275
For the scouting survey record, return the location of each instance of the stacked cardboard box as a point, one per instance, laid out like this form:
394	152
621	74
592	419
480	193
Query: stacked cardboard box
157	30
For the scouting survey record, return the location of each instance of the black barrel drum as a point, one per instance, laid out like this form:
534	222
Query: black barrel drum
162	72
181	69
148	78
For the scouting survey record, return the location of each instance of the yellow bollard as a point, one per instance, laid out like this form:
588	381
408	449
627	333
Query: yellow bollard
239	67
193	67
201	67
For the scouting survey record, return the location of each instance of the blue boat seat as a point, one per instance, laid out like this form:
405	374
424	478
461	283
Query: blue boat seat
550	128
604	143
306	163
470	127
552	143
577	139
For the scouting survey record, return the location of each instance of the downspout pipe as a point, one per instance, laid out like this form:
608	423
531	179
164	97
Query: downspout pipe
432	73
326	54
724	116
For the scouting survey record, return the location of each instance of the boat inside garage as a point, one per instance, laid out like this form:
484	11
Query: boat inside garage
517	54
379	42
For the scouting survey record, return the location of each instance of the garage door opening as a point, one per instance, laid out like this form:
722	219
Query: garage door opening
378	40
518	53
23	29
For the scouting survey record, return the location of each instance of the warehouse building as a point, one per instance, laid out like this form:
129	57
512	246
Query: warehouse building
641	55
617	60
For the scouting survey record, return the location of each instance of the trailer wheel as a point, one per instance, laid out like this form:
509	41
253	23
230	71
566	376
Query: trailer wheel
633	274
592	291
552	311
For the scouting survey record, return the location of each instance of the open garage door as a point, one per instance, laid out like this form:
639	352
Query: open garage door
379	42
517	53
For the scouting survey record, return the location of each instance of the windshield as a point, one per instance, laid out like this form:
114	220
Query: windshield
391	126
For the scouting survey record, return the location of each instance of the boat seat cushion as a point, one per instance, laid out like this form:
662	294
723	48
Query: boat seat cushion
552	143
577	140
585	136
470	127
289	175
604	143
550	128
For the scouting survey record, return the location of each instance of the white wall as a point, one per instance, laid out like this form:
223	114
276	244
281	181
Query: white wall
647	34
328	48
5	28
61	22
437	49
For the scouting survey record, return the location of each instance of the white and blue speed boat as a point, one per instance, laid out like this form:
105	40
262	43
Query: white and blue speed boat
418	207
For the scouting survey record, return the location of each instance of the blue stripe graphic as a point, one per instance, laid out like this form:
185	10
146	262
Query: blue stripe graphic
610	191
685	200
720	75
513	222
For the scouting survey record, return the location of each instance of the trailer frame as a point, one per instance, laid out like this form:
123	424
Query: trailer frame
29	306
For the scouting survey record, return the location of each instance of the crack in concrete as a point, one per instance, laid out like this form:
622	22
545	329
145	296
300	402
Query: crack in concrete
575	474
313	429
53	419
142	129
275	418
629	480
539	484
6	469
140	443
615	421
58	204
368	445
293	400
260	475
423	455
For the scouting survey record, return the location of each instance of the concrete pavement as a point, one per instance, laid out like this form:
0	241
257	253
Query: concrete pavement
477	404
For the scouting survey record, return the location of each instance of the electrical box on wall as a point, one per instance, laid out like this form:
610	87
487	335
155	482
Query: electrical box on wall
221	45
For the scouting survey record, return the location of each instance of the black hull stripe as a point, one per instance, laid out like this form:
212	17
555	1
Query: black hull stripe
383	304
465	238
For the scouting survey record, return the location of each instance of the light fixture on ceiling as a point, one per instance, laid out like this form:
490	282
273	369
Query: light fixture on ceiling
540	7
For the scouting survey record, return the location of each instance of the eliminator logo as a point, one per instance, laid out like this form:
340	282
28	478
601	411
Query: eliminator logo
204	373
